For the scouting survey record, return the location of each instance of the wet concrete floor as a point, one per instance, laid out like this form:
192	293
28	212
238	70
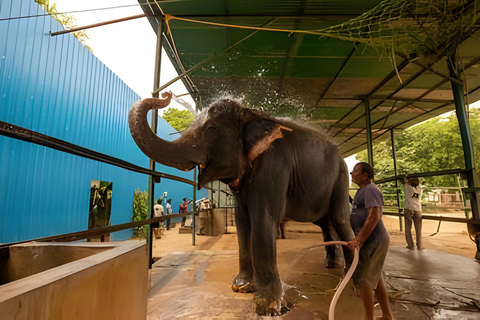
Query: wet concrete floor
194	282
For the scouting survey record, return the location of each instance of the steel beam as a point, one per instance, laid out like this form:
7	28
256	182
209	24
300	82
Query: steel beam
194	209
394	156
423	175
215	55
20	133
337	74
368	129
467	145
154	120
393	127
392	74
86	234
296	41
97	25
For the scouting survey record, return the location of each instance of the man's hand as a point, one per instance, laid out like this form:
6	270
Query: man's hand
353	244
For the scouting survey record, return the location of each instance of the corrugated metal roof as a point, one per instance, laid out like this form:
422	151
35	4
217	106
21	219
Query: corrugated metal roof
318	79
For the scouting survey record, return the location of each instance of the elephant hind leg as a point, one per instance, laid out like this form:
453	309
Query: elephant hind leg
340	214
327	236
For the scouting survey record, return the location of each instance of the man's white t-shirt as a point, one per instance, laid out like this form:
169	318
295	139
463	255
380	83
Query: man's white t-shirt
413	196
158	210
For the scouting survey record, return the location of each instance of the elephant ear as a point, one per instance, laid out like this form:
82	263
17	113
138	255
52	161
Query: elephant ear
258	135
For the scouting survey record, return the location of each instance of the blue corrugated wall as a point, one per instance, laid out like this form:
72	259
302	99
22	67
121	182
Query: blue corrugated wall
55	86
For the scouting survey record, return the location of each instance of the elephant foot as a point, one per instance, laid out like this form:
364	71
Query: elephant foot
334	257
246	288
242	285
274	302
276	306
330	263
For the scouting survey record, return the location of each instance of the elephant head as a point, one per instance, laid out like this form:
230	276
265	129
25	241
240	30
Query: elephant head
222	140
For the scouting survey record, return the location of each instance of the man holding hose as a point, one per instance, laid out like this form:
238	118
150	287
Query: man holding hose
372	239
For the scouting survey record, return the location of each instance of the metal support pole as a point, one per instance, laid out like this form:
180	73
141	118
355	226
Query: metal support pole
154	119
467	145
194	209
158	58
97	25
394	156
151	200
368	129
210	192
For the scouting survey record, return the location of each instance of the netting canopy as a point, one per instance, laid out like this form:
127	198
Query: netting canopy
423	28
325	61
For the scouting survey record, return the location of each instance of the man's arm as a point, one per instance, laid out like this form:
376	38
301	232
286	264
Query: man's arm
374	215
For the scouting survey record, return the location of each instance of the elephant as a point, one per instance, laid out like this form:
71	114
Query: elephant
328	235
275	168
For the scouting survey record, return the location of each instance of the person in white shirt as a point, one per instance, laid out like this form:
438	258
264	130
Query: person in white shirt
158	212
413	211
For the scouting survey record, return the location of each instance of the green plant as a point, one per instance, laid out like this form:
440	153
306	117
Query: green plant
140	212
178	119
65	20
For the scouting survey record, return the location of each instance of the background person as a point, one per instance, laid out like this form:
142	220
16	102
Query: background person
168	211
182	209
413	211
158	212
372	239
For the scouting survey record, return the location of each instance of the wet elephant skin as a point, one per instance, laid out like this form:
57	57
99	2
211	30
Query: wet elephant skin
276	169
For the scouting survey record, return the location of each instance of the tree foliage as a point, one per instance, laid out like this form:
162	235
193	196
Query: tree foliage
433	145
68	21
178	119
140	211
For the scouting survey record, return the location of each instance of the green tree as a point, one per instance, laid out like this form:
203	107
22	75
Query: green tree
178	119
430	146
65	20
140	212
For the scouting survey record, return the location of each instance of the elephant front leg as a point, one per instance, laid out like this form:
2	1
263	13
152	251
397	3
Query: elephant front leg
269	295
243	282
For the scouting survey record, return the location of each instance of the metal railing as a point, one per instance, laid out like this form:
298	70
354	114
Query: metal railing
85	234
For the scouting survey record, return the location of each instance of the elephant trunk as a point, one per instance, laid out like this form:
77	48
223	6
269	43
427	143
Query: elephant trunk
184	153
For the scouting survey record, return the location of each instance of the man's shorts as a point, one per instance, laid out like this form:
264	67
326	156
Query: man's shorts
370	264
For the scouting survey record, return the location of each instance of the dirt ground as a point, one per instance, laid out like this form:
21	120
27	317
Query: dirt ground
452	237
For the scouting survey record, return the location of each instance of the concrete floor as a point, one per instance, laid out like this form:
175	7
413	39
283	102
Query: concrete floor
194	282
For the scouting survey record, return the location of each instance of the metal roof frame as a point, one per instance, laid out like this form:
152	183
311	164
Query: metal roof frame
337	130
389	104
